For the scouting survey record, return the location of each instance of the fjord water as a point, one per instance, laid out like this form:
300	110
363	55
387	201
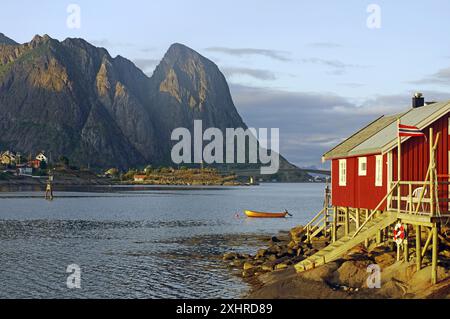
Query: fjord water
138	242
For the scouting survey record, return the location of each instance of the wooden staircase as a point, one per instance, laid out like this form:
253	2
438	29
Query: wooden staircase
319	224
344	244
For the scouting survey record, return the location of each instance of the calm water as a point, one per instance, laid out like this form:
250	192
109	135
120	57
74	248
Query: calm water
138	242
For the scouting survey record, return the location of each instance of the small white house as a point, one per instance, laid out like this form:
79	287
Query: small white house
41	157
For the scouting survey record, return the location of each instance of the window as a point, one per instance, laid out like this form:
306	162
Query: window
342	172
379	170
362	166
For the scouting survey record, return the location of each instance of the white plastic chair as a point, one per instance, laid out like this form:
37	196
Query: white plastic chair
415	198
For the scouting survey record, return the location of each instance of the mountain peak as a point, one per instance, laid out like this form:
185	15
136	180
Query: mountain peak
180	54
5	40
37	39
179	47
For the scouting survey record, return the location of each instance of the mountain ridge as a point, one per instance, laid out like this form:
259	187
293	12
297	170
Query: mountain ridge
5	40
72	98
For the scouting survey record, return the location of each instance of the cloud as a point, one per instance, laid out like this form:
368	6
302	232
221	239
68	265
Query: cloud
338	67
146	65
255	73
442	76
273	54
311	123
325	45
308	125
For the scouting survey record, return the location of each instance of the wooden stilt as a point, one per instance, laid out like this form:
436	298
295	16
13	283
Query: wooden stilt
335	221
366	241
378	235
357	217
427	243
405	245
347	222
418	248
434	255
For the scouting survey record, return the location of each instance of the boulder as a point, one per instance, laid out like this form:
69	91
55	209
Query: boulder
275	239
322	273
238	263
261	253
385	259
292	244
352	273
281	266
230	256
274	249
296	234
267	267
248	265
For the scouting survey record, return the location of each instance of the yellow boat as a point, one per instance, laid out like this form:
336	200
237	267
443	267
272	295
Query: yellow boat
253	214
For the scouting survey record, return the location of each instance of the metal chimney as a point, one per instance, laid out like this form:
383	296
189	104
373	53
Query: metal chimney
418	100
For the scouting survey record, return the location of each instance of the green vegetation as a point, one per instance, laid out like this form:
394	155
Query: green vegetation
181	176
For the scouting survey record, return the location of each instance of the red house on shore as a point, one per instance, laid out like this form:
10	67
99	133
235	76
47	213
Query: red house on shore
371	205
364	166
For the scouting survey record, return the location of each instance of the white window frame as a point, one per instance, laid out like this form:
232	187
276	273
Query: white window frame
342	172
362	161
379	170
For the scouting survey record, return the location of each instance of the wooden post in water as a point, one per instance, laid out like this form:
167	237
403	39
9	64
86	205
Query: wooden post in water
49	188
418	248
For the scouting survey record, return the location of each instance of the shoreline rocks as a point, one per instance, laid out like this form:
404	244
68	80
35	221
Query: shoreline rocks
271	274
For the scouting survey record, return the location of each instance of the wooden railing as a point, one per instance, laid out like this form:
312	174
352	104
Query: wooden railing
374	211
317	224
415	198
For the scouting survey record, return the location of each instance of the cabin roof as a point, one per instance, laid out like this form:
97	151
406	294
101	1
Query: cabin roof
381	135
343	149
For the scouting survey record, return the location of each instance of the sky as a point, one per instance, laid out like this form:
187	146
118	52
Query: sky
318	70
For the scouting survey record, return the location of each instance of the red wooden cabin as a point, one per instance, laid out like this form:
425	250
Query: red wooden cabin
364	166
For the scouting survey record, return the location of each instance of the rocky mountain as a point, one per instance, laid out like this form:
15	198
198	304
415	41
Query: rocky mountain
72	98
5	40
